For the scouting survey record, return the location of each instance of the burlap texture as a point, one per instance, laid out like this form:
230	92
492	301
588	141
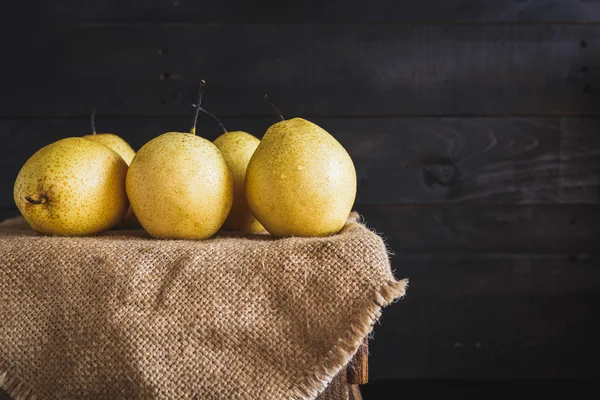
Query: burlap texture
338	388
124	316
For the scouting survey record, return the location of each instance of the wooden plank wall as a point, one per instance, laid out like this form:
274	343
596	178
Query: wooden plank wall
473	125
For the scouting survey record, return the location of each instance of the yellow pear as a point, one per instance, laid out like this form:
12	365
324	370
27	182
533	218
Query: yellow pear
300	181
111	140
237	147
180	186
72	187
116	143
123	148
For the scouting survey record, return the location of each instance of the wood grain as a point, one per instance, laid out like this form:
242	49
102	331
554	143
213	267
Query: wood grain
490	317
565	229
303	12
580	156
357	371
398	160
309	70
479	388
355	393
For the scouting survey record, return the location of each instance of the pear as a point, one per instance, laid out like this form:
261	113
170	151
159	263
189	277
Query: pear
180	186
300	181
237	147
116	143
123	148
72	187
113	141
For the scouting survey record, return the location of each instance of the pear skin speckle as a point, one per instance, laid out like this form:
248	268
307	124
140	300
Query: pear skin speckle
180	187
123	148
300	181
116	143
237	147
80	185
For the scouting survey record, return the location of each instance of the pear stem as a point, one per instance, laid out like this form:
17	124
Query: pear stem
198	103
93	119
205	111
42	200
274	107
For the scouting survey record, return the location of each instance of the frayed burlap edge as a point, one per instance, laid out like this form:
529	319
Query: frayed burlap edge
315	383
15	388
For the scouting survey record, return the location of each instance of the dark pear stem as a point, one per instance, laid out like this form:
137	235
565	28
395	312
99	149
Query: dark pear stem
274	107
213	116
42	199
198	103
93	118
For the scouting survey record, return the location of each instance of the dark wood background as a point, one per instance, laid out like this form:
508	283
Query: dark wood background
474	127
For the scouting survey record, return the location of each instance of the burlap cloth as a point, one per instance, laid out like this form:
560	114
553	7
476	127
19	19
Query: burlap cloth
124	316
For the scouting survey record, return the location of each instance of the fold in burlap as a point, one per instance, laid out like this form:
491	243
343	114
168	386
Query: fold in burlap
124	316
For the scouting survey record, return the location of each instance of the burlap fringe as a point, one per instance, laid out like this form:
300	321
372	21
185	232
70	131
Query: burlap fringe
313	384
15	388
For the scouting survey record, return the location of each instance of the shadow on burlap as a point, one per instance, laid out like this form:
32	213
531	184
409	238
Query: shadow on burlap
125	316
